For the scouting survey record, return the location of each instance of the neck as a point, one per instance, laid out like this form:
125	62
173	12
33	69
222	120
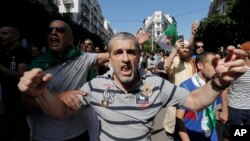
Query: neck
126	86
201	76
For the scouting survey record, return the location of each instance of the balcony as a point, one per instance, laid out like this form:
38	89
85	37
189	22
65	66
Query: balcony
68	4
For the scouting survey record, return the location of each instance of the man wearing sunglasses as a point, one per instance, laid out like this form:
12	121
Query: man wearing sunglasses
69	67
198	48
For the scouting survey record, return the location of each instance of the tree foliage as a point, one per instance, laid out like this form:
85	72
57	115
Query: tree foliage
228	28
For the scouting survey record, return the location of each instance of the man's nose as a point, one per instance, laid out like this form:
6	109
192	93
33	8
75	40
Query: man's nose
125	57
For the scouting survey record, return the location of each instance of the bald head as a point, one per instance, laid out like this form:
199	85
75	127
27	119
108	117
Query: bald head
9	37
59	36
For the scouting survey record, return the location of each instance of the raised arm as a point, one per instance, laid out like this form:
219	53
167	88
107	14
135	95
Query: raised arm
194	29
169	61
34	83
227	69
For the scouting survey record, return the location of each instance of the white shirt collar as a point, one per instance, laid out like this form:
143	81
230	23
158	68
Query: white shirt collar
197	80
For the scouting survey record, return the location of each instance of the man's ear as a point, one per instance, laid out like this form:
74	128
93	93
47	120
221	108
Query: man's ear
199	66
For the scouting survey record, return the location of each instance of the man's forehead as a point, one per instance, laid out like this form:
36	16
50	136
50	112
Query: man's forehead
61	23
124	48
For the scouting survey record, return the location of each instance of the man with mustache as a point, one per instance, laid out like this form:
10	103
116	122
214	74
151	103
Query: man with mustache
126	102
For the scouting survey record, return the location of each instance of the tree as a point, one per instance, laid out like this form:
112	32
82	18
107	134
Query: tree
229	28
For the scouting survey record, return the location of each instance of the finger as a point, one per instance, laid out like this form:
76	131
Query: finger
236	63
25	84
239	70
82	93
46	78
36	71
230	53
77	103
240	54
71	104
215	60
69	98
22	87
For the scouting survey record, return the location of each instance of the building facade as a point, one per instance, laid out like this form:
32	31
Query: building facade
217	6
157	23
88	15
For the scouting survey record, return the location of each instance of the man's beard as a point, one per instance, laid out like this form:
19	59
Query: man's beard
184	58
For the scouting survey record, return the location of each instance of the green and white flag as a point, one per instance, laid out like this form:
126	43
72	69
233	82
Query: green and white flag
171	34
208	122
168	39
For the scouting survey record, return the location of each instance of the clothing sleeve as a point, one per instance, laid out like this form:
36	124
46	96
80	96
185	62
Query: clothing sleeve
91	58
85	99
173	95
182	85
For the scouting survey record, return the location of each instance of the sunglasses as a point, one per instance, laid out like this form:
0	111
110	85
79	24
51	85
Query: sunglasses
58	29
199	47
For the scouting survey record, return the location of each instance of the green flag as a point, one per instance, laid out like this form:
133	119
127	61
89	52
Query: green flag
208	121
171	34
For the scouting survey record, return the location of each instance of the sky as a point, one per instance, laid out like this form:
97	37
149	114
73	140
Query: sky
128	15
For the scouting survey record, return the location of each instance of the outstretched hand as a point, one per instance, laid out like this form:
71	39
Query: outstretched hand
71	99
230	67
142	37
34	82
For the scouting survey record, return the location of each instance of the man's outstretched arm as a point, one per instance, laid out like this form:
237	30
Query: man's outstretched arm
227	69
34	83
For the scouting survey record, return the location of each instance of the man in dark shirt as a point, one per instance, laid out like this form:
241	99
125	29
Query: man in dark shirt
14	61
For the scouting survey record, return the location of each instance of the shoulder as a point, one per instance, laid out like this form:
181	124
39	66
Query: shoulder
100	79
153	79
186	82
87	54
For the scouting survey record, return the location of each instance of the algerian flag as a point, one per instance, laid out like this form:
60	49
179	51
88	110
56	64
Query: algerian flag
167	40
208	122
171	34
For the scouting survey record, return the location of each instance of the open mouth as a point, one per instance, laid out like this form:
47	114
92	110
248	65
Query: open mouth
54	41
126	70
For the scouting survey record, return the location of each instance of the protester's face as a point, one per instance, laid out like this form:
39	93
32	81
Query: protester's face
8	37
87	46
184	52
97	50
207	69
199	47
59	36
124	58
35	51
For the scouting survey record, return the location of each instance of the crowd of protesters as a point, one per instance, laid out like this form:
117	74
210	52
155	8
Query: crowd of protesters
45	104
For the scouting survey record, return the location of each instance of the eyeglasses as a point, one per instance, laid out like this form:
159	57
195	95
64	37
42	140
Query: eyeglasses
199	47
59	29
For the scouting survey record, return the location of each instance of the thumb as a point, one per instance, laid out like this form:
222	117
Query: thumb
46	79
82	93
230	53
215	60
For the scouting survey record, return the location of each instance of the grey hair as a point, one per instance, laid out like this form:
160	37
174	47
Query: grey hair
123	36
